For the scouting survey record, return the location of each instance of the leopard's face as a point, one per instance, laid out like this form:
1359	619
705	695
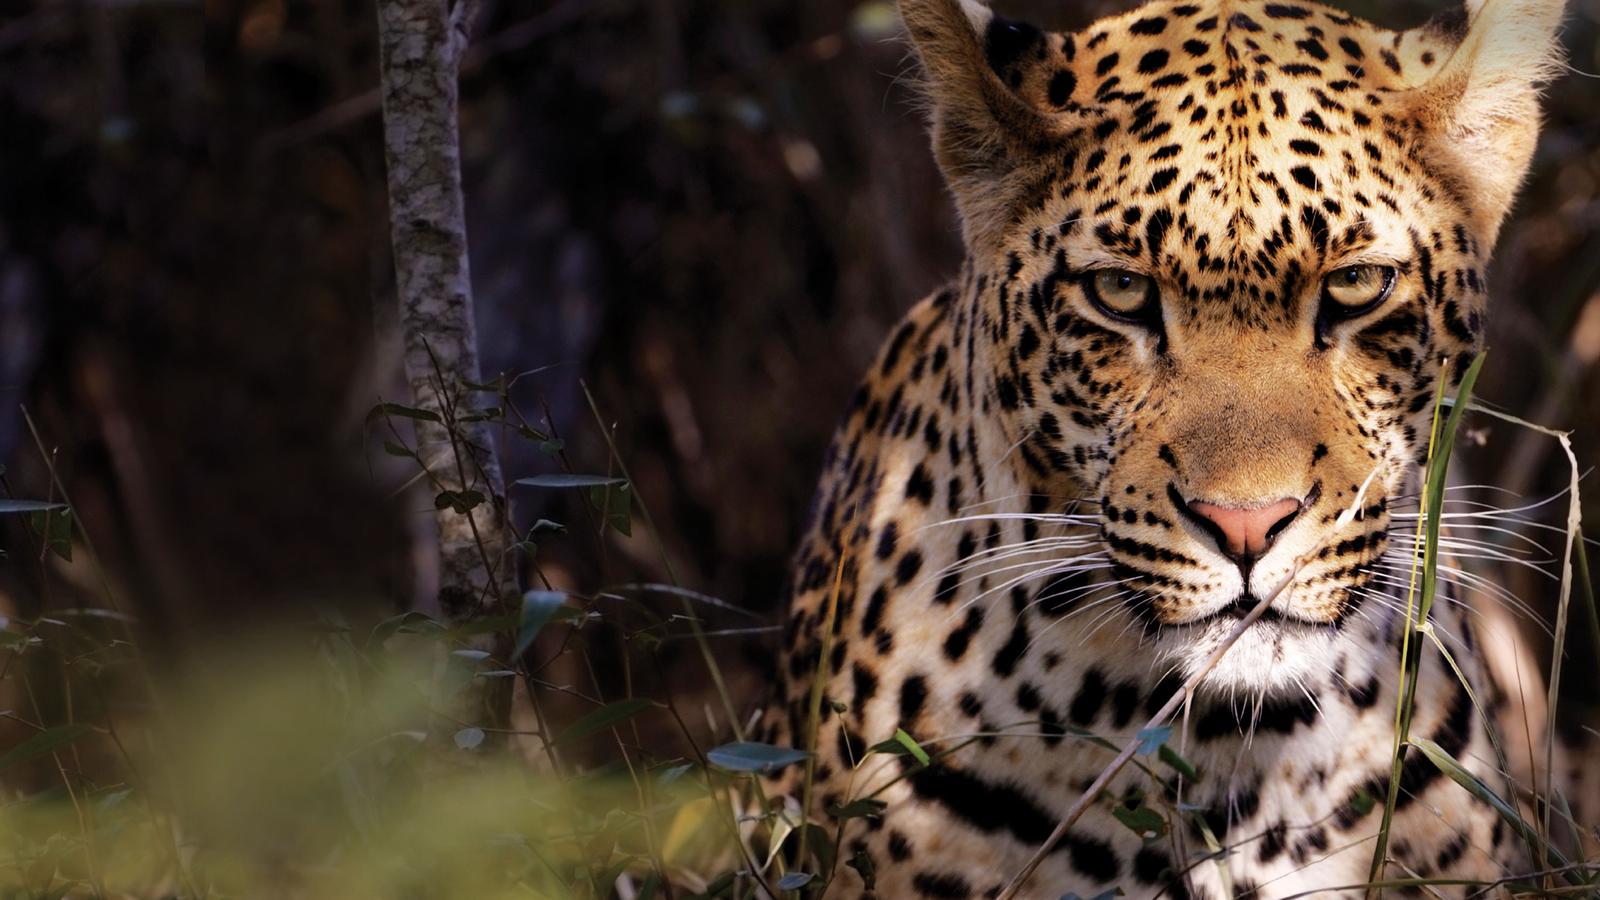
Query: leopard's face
1220	280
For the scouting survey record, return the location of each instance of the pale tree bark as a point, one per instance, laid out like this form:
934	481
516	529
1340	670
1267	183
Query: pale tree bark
421	44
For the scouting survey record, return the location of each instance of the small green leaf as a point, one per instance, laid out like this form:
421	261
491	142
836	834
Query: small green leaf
1151	739
9	506
603	718
54	528
1362	802
793	881
673	773
568	480
1141	820
865	867
1103	895
469	738
383	410
862	808
537	608
817	841
750	756
902	744
395	448
615	501
1183	767
462	502
412	622
43	742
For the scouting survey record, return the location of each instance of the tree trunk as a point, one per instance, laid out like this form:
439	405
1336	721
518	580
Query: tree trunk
422	43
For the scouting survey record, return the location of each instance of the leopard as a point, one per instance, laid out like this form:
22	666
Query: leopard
1163	436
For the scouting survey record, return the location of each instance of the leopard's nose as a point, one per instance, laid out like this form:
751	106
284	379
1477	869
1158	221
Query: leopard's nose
1244	533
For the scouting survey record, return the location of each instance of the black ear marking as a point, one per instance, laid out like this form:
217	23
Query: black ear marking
1007	40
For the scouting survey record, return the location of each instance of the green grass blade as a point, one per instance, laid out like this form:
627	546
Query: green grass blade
1441	441
1475	786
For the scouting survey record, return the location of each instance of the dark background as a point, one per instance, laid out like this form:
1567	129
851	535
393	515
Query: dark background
711	211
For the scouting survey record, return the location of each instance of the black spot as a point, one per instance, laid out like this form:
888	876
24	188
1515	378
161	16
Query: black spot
1091	696
873	614
913	693
1124	703
1106	64
1028	699
1154	61
971	705
955	645
848	746
1165	453
941	885
1313	48
1062	85
1160	180
1243	22
1161	693
1305	177
1005	661
1152	25
907	568
1272	842
1365	695
919	486
1306	148
866	684
1279	11
994	806
886	540
899	847
1281	715
1451	852
1006	40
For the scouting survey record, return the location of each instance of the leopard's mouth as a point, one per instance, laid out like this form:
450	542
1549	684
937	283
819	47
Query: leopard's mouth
1271	617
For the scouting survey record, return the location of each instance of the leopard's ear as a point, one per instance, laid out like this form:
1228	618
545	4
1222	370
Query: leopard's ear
1480	109
999	95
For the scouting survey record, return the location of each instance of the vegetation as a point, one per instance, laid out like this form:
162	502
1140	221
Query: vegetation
326	759
161	735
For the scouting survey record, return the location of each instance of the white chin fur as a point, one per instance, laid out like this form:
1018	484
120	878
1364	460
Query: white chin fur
1274	656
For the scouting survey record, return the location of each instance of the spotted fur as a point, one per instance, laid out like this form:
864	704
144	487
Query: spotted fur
1005	509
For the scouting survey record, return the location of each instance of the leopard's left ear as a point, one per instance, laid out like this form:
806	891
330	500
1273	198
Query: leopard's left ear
1480	110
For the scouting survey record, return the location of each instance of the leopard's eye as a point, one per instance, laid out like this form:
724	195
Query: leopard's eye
1353	290
1121	294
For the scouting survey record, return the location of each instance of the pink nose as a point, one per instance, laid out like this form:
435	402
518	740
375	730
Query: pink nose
1245	533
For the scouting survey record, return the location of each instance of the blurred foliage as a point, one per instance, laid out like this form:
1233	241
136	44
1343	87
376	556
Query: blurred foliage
711	211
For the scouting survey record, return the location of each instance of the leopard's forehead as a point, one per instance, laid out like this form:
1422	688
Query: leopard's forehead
1303	55
1233	148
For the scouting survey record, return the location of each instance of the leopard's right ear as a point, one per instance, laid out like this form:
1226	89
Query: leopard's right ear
1001	98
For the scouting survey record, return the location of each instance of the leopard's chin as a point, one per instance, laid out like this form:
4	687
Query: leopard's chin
1277	652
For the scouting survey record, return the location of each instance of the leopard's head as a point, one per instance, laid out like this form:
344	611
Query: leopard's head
1224	258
